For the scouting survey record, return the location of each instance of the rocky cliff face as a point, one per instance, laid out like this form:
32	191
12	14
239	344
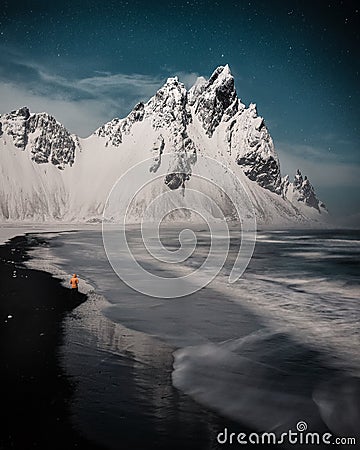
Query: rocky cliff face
250	142
16	125
169	109
216	99
301	190
41	134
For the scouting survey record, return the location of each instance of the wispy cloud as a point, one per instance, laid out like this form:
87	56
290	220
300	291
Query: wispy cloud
81	104
334	139
321	166
107	84
81	117
305	151
188	78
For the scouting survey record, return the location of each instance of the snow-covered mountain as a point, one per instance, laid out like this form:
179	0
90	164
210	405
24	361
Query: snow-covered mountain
49	174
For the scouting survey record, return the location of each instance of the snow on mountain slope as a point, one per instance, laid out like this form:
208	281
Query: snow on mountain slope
49	174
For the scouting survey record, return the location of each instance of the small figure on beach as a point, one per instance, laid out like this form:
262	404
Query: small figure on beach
74	282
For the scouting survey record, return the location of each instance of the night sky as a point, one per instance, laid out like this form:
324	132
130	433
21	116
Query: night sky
88	62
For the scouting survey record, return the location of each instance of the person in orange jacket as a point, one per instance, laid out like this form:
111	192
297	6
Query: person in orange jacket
74	282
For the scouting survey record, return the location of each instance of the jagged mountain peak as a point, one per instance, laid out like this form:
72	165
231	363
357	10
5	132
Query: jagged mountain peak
172	91
253	110
172	101
302	191
220	75
298	178
40	133
222	82
217	99
15	124
22	112
172	81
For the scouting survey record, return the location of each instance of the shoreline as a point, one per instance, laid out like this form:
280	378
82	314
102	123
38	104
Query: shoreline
62	390
35	391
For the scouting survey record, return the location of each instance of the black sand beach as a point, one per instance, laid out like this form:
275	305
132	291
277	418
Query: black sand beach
37	393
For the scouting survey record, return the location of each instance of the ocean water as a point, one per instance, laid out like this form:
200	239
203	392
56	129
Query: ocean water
279	346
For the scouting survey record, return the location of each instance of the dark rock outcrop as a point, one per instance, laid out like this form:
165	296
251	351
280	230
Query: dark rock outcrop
216	99
42	134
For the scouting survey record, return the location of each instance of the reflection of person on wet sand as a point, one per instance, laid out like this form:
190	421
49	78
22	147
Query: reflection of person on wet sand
74	282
